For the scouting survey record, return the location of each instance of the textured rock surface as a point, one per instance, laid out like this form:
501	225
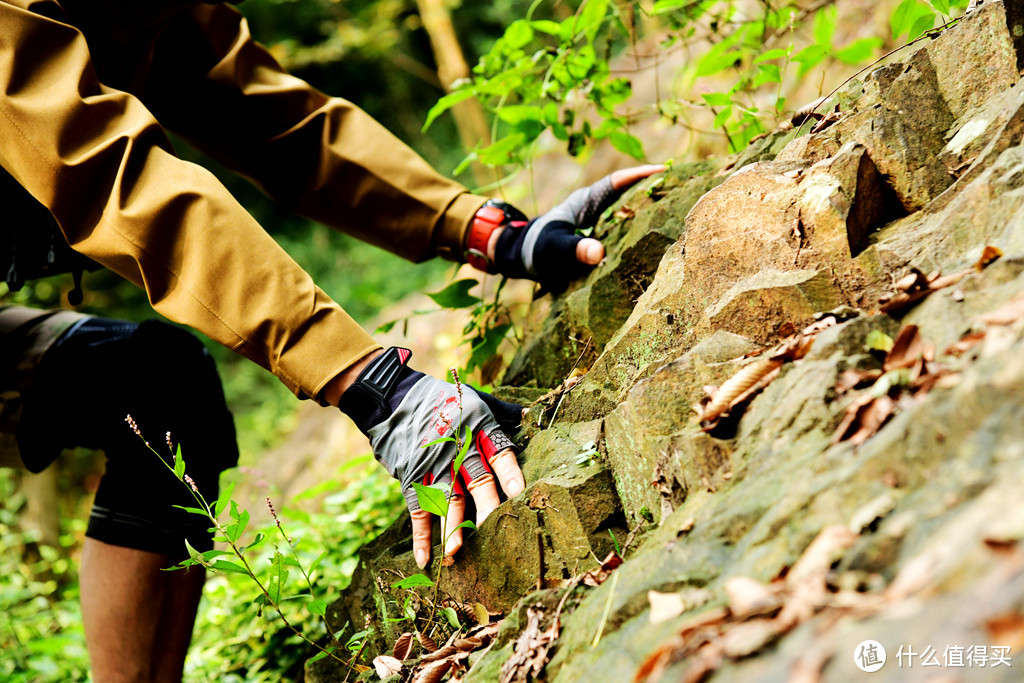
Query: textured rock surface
925	168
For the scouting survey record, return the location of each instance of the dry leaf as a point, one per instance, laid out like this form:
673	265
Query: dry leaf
907	348
386	666
665	606
965	344
403	646
1007	314
736	386
601	574
447	561
433	672
625	212
491	368
426	641
988	255
443	652
530	652
853	379
744	639
1007	630
748	597
863	418
480	614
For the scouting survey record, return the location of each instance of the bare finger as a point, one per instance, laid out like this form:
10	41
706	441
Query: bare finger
422	521
589	251
456	515
506	468
485	495
628	176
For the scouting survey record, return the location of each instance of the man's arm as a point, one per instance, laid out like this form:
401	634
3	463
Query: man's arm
100	162
319	156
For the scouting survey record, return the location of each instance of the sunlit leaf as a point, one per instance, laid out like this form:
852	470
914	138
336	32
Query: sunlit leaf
431	499
456	295
414	581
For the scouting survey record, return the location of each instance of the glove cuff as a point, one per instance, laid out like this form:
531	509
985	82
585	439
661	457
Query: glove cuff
380	387
491	216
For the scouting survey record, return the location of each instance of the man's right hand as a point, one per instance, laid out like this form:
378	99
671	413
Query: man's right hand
403	411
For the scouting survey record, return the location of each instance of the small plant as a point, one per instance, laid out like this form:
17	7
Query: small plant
272	591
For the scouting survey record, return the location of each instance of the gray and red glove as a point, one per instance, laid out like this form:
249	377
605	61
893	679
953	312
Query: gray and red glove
402	411
547	249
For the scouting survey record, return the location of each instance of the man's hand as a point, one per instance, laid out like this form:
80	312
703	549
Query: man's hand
403	411
547	249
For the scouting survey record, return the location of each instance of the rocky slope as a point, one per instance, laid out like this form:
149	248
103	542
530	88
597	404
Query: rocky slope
853	299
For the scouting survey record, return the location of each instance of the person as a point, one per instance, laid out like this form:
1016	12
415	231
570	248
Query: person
87	91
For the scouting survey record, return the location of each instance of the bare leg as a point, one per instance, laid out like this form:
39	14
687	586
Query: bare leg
138	620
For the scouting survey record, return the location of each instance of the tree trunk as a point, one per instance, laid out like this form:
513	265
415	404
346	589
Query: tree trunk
451	66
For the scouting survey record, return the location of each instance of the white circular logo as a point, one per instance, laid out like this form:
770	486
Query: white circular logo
869	656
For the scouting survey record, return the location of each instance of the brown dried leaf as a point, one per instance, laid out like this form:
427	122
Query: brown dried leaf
426	641
665	606
853	379
1007	630
988	255
736	386
530	652
625	212
403	646
386	666
965	343
601	574
432	672
1007	314
444	652
907	348
748	597
868	416
744	639
491	368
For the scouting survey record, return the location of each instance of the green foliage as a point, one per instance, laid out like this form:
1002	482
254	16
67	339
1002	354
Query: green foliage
41	635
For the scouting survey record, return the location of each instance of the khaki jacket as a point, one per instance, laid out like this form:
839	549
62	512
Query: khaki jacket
87	89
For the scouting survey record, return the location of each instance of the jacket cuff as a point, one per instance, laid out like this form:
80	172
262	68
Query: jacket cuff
453	229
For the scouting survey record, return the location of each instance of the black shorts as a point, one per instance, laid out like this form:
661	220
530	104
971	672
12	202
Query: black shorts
93	377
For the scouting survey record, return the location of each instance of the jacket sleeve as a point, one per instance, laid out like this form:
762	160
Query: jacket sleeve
99	161
319	156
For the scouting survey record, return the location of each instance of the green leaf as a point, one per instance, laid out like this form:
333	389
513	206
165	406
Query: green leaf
414	581
278	577
666	6
717	99
194	511
941	5
431	499
456	295
878	341
229	567
443	439
825	25
627	144
386	327
223	498
923	23
593	14
452	617
326	652
518	113
502	151
256	541
195	555
317	607
809	57
859	50
716	59
446	103
545	26
518	34
466	443
468	524
722	117
319	558
777	53
179	463
767	73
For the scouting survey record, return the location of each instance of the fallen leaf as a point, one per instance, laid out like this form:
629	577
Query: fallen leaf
403	646
1007	314
988	255
665	606
853	379
386	666
748	597
447	561
907	348
601	574
625	212
863	418
481	614
965	343
1007	630
736	386
744	639
433	672
795	173
426	641
530	651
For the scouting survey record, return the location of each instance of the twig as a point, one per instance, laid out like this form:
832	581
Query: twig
607	610
540	558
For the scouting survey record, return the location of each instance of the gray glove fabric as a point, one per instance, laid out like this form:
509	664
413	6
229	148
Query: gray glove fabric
545	248
401	410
